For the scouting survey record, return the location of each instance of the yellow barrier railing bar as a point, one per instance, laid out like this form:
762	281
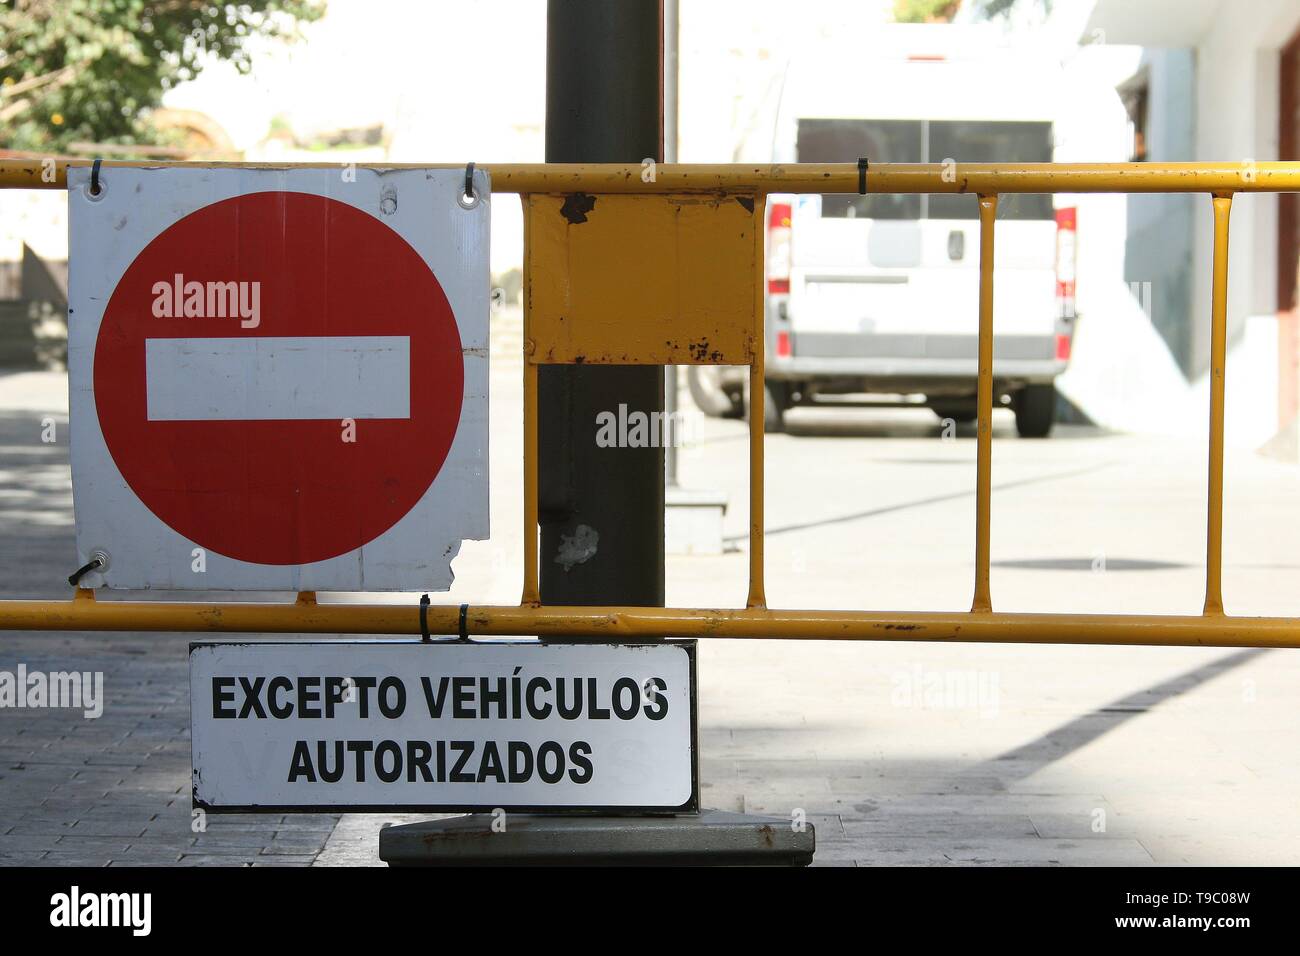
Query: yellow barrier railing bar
1218	360
985	179
84	613
983	601
756	620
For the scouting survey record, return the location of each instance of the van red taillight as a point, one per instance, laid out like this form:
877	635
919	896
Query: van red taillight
1067	257
783	344
1062	348
778	248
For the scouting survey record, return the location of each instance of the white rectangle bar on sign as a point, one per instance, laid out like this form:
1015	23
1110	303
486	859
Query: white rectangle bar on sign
443	726
278	378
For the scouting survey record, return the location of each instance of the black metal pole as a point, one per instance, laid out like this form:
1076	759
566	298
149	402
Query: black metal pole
601	509
670	112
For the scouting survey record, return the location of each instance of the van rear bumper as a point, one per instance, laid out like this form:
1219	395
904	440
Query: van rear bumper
902	362
837	345
900	376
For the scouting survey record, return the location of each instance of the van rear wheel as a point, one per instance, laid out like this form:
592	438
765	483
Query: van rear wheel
776	399
963	413
1035	407
710	395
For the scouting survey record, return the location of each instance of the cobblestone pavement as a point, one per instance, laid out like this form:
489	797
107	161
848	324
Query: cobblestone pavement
113	790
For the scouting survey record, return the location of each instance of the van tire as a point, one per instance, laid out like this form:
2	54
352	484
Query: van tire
963	413
1035	407
776	399
711	398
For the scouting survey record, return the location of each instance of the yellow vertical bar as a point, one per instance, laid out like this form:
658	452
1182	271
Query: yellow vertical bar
984	400
532	591
1218	357
757	591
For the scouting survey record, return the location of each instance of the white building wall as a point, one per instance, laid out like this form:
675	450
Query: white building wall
1236	45
1237	121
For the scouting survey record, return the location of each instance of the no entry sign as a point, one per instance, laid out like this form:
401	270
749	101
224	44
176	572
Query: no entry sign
444	726
278	377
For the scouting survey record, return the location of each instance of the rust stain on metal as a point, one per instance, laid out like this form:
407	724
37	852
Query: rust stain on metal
701	352
576	206
211	617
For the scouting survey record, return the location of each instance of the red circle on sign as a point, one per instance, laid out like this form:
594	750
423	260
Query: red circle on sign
283	491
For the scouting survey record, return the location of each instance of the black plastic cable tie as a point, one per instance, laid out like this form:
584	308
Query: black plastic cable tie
464	622
94	176
862	176
469	182
424	619
91	565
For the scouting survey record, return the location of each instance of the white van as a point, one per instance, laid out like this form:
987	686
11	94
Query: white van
876	296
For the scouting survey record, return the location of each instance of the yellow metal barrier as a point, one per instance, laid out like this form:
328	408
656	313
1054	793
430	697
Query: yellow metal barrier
681	220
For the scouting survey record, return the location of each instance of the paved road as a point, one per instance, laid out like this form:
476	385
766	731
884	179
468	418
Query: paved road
899	753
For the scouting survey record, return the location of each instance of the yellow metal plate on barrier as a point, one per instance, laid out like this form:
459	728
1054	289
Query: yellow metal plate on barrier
643	279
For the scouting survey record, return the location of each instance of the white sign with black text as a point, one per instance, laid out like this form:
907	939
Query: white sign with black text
448	725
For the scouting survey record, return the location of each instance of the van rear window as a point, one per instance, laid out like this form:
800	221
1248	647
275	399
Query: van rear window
926	141
843	141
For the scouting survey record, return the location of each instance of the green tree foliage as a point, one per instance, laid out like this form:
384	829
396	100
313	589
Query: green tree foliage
925	11
992	9
942	11
90	70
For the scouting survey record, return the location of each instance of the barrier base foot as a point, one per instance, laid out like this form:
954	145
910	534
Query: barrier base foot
707	838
